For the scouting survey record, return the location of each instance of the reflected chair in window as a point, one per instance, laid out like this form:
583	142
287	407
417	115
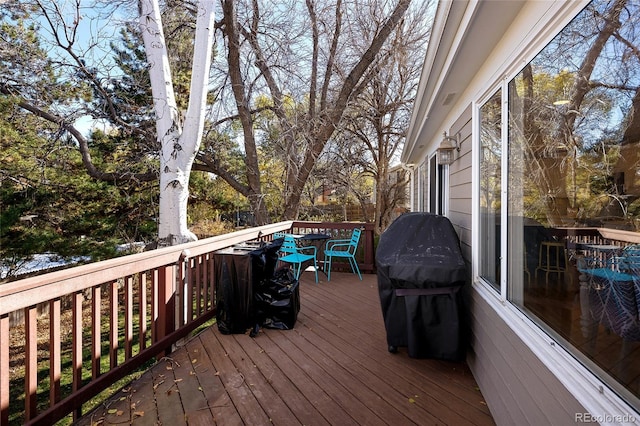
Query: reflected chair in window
610	303
296	256
552	259
629	260
345	249
613	299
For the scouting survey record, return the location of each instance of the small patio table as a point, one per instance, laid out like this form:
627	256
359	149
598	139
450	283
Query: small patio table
317	240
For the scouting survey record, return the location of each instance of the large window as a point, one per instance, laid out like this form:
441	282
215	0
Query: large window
573	186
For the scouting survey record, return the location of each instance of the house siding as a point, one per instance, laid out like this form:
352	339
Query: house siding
460	177
525	376
518	387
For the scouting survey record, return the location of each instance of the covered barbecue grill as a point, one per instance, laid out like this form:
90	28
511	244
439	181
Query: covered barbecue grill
421	273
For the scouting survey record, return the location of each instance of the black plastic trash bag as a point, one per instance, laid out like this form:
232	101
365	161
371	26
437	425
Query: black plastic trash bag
421	274
278	301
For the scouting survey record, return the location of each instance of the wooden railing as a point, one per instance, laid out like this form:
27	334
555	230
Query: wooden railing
108	319
575	237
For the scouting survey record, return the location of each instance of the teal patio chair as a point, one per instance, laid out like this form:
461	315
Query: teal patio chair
344	249
295	255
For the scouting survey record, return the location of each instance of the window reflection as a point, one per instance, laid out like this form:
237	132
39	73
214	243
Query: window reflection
574	191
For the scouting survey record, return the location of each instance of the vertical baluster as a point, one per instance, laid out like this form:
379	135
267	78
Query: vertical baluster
76	336
142	310
96	301
113	317
4	366
189	287
31	362
155	280
212	283
198	285
54	352
182	290
128	317
205	288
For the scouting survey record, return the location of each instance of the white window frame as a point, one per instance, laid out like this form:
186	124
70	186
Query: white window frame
501	294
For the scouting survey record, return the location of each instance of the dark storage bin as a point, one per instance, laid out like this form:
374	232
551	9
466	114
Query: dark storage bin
239	274
421	274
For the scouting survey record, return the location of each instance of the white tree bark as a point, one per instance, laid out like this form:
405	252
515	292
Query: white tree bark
180	142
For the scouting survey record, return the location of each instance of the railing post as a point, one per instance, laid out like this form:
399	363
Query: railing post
166	302
369	253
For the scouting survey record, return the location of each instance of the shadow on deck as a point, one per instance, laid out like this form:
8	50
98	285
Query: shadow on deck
332	368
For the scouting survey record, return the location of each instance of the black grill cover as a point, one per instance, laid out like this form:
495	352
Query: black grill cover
421	273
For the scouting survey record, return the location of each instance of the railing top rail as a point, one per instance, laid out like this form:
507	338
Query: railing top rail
332	225
620	235
31	291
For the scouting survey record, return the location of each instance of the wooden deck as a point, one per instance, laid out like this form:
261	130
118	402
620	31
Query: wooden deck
332	368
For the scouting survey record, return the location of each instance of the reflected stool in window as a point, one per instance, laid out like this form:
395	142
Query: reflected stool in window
552	259
526	268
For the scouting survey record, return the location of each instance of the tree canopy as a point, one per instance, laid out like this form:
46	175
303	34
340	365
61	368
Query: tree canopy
288	78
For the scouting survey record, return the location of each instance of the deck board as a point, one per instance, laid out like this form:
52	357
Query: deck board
332	368
212	387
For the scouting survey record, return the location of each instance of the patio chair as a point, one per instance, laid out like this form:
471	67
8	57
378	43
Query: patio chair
629	261
296	256
344	249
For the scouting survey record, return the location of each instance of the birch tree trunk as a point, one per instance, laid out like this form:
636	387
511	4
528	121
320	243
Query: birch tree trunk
179	142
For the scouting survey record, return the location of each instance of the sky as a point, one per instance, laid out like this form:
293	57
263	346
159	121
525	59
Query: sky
98	24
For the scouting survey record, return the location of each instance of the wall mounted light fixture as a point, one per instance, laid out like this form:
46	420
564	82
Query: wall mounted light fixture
446	148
